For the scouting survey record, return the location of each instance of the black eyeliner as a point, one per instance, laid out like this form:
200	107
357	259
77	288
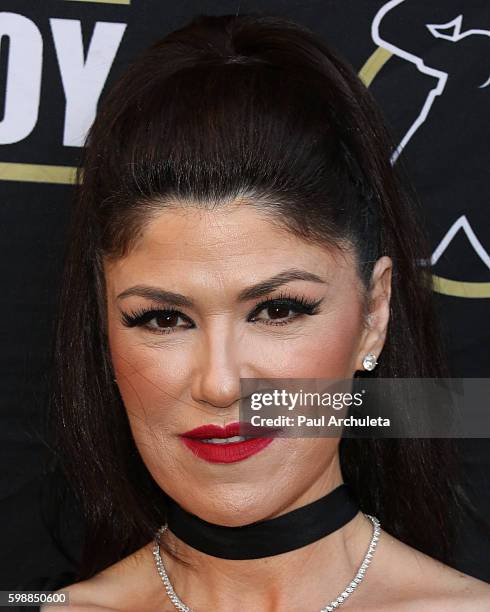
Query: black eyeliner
300	303
141	316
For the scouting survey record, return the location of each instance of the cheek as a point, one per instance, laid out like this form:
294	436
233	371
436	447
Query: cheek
151	394
150	382
332	355
327	350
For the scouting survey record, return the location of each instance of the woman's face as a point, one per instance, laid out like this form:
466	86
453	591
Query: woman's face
177	371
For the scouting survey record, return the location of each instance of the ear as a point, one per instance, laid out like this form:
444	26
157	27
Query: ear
378	315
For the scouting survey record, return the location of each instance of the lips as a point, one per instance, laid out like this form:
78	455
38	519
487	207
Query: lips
232	429
226	452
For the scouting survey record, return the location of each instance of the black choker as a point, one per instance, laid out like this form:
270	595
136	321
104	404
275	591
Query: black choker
283	533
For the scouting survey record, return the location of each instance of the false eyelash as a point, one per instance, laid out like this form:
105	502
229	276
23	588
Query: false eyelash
300	302
145	315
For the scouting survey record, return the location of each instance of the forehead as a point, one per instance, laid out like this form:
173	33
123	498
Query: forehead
232	240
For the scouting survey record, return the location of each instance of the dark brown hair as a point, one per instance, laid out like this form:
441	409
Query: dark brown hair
259	107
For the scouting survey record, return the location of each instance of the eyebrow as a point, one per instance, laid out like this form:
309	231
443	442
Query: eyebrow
259	289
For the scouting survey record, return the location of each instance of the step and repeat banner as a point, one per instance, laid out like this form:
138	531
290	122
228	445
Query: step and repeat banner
428	65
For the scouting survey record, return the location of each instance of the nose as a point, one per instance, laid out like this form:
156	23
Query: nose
216	379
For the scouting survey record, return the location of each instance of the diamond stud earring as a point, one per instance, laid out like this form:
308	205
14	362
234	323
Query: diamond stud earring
369	362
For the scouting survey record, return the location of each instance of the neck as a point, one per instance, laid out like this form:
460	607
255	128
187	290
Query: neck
325	566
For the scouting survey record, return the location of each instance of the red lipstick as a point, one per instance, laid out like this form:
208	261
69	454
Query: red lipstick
225	452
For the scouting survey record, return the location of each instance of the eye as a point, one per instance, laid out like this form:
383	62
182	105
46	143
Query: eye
278	309
167	321
157	321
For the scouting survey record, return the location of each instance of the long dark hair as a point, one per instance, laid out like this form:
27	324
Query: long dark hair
260	107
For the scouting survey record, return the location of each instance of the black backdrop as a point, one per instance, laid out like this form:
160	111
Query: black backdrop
428	64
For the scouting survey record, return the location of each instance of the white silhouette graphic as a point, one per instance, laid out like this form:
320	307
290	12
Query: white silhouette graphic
461	224
441	76
450	31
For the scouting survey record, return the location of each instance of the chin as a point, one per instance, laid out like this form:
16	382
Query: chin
229	510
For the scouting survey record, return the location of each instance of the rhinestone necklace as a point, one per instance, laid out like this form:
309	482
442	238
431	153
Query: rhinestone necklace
349	589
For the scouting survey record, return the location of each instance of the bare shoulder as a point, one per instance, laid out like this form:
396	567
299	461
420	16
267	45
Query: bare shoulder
424	584
128	585
82	598
91	595
460	592
463	592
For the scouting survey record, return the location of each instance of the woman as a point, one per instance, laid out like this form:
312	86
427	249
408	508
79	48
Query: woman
238	217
